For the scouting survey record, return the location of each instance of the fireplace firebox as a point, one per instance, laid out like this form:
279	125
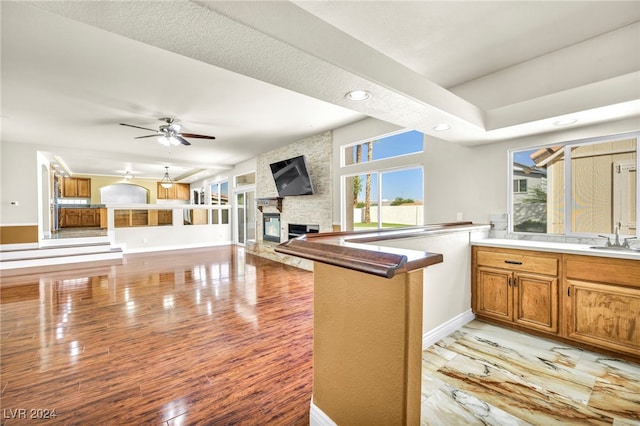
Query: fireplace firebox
271	227
296	230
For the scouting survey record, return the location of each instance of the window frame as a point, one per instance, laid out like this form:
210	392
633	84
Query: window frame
520	191
345	147
379	185
567	147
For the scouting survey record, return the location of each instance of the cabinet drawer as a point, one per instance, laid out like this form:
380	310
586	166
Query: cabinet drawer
518	261
600	269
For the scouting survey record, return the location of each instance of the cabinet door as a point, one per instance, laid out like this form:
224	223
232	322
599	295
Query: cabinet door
88	217
494	293
604	315
83	187
165	217
72	218
103	218
536	302
69	187
166	193
183	191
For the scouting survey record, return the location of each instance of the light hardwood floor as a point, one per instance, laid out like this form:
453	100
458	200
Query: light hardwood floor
190	337
217	337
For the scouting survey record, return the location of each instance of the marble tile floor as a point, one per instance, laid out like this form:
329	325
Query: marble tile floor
488	375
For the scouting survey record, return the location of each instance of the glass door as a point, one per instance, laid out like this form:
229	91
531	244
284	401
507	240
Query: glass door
245	207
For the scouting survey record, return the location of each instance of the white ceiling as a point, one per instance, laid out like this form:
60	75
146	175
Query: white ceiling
258	75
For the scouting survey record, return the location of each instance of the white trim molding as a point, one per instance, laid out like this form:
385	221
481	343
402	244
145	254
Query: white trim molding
317	417
443	330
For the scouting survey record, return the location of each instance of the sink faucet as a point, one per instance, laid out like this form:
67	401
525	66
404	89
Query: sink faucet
616	241
616	230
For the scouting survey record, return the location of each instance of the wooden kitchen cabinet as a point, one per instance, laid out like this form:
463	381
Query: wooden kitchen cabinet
76	187
602	301
79	217
70	218
178	191
517	287
103	218
89	217
183	191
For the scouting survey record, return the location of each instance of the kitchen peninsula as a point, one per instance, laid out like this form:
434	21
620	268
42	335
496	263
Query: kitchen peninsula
369	293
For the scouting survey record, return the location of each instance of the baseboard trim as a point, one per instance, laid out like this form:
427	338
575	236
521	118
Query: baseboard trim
317	417
443	330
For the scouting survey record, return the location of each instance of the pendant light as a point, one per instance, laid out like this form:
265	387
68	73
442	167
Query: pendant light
166	181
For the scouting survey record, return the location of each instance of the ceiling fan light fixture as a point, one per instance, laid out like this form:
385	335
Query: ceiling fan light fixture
166	181
168	140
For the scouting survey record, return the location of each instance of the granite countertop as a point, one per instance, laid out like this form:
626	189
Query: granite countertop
567	248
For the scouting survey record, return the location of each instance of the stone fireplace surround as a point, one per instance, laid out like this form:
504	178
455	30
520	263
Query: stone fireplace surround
312	211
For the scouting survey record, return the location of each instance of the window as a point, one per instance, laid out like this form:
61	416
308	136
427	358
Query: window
383	182
220	193
220	197
246	179
400	192
520	186
386	147
579	187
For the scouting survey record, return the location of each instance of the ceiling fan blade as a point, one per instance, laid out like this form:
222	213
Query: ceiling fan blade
148	136
182	140
138	127
193	135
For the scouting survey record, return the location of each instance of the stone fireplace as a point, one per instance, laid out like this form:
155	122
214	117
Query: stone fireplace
290	217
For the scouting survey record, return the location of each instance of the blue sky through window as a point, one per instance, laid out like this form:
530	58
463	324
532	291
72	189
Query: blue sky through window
393	146
403	183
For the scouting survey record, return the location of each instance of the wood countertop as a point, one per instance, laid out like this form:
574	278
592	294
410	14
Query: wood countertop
348	249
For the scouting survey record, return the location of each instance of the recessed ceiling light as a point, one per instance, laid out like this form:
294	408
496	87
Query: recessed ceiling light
565	122
358	95
441	127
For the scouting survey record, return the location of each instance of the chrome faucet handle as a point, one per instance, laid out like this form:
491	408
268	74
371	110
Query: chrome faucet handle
608	239
626	241
616	230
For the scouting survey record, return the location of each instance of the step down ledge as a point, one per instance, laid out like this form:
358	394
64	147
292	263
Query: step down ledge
115	254
53	252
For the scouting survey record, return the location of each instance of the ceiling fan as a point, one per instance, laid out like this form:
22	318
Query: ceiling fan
169	133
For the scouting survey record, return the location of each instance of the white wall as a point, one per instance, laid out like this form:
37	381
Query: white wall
18	182
447	285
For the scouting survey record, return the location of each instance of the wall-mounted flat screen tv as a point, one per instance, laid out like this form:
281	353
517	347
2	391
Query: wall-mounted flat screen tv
292	177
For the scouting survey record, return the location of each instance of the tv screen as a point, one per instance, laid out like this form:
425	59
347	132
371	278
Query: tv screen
292	177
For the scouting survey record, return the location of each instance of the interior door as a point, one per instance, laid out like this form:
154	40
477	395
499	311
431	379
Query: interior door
245	205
